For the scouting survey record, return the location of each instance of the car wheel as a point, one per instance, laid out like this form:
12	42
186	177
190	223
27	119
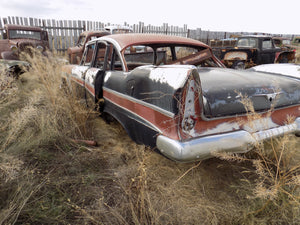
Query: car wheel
238	65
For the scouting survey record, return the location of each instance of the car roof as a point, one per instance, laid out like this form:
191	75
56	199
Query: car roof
95	32
118	27
125	40
255	36
20	27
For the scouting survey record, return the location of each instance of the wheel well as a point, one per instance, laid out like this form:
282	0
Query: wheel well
285	57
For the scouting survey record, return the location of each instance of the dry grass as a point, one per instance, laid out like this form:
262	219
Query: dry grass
46	178
298	55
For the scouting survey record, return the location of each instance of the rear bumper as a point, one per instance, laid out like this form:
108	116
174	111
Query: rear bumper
234	142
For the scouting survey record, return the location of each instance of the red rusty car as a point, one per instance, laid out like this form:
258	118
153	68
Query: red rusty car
75	53
17	39
172	93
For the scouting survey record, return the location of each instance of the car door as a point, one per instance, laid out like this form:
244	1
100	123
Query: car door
106	62
79	72
267	51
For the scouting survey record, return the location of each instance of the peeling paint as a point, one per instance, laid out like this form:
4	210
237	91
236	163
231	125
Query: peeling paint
259	124
221	128
174	76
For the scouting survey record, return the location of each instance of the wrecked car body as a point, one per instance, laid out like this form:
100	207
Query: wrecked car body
255	50
17	39
172	93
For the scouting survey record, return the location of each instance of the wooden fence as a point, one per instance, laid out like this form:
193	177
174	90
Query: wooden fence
65	33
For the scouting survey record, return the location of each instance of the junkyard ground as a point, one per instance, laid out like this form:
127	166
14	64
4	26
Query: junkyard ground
48	176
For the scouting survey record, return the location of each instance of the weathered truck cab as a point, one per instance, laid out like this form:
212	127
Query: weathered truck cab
255	50
17	39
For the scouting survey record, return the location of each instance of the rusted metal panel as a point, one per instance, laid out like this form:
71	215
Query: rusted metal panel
236	55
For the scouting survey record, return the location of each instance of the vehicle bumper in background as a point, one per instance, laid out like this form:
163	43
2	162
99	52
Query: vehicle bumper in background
234	142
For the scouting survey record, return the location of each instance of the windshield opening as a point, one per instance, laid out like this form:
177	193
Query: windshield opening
247	42
28	34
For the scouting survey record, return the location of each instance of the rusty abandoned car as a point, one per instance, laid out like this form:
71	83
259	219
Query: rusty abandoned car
75	53
254	50
172	93
17	39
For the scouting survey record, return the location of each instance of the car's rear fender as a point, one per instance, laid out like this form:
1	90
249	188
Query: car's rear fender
147	101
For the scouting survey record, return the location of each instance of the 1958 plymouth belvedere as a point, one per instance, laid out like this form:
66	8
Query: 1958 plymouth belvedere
172	93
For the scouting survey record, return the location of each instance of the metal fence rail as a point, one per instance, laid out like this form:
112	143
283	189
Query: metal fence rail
65	33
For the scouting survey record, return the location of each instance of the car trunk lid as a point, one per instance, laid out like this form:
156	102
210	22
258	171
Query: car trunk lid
224	90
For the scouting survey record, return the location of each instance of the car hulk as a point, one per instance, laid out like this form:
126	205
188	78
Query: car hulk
16	39
255	50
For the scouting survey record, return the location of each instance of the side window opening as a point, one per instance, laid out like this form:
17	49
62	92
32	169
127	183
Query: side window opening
100	56
267	44
107	58
81	40
138	55
88	55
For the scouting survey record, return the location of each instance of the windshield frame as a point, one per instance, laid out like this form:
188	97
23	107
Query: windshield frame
25	34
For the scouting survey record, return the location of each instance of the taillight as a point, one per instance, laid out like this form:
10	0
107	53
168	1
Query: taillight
189	115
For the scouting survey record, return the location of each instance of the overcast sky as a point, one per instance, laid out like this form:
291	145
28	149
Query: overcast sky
269	16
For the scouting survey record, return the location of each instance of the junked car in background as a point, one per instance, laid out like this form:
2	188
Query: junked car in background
75	53
282	42
118	29
18	39
252	50
296	41
172	93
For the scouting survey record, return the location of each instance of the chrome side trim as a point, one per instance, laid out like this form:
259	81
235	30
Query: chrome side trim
234	142
145	122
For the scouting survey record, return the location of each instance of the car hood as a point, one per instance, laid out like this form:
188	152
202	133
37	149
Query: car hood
223	91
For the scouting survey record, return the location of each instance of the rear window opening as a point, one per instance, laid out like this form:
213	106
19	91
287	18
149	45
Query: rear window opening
167	55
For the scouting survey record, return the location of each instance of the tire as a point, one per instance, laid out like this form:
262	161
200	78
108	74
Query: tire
238	65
